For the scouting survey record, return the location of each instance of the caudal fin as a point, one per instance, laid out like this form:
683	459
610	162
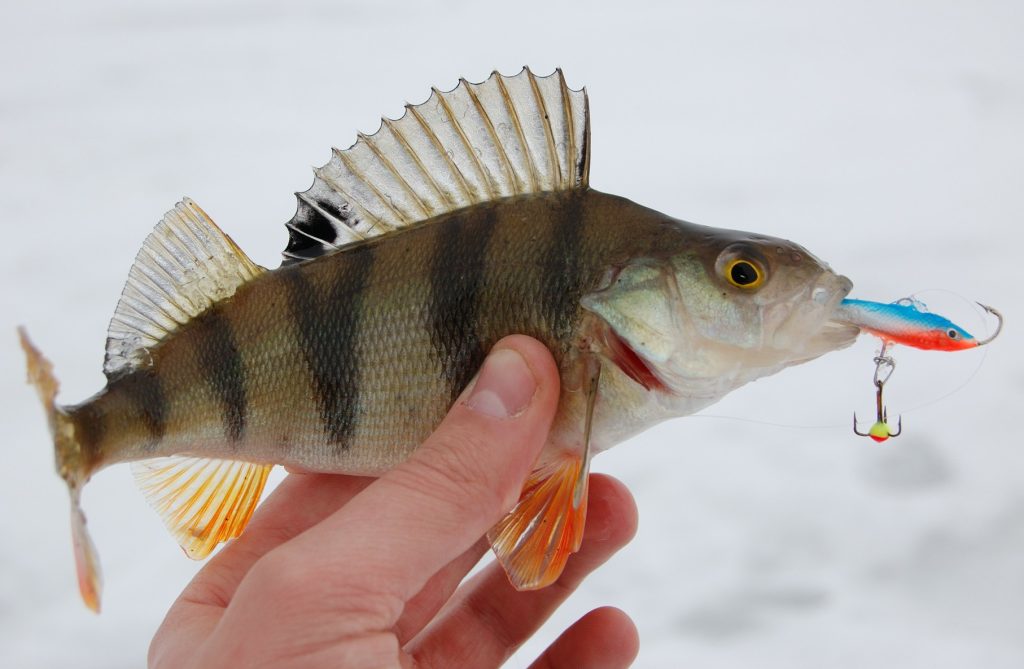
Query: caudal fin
69	466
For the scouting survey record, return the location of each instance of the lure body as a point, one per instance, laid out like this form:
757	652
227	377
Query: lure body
906	322
414	251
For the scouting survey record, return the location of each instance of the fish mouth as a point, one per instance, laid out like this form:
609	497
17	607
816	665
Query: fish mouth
817	315
832	334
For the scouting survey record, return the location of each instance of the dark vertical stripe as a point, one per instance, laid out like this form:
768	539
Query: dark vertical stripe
327	309
146	392
457	275
562	267
220	363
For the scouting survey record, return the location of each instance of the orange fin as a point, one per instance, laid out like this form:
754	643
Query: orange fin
87	564
203	501
536	538
534	541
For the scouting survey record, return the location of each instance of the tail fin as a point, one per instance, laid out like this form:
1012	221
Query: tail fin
69	466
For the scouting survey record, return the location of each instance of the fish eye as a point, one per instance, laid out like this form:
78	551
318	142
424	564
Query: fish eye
744	274
953	334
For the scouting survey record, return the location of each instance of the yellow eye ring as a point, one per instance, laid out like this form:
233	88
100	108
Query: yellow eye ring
744	274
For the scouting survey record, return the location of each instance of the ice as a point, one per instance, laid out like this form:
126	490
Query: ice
886	137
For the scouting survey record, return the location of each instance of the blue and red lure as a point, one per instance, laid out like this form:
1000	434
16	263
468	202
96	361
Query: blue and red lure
906	322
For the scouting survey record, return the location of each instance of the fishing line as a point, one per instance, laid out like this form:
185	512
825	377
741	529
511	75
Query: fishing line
982	326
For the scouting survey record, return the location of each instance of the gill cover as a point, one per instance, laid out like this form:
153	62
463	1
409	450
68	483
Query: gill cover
640	319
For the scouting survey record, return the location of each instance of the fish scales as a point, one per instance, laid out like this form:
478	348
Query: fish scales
382	338
346	357
339	325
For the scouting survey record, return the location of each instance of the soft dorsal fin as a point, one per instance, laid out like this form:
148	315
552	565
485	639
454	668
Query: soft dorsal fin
185	265
477	142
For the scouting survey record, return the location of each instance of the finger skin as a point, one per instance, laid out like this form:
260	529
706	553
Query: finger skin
605	638
298	503
422	608
488	619
352	573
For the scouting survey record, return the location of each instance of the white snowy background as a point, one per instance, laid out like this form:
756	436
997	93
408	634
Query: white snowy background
887	137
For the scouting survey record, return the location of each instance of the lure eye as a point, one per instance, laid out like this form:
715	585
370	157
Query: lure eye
953	334
744	274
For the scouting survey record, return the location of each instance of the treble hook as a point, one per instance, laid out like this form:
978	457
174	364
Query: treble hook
880	431
999	325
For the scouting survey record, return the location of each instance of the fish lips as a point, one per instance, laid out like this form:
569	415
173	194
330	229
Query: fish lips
815	314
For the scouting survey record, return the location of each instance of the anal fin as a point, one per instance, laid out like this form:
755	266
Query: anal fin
202	501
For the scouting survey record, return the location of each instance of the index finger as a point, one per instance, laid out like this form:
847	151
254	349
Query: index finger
404	527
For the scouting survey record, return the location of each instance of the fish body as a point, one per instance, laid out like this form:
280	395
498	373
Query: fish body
469	219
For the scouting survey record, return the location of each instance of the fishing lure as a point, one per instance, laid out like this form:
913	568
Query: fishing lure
908	322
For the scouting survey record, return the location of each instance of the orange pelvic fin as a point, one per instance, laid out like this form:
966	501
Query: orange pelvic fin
534	541
536	538
203	501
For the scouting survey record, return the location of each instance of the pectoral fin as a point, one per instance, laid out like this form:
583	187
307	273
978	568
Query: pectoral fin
534	541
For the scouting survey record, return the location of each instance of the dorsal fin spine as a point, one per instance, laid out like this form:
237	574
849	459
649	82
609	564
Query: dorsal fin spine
514	113
455	171
505	161
386	201
320	210
372	145
549	135
584	151
570	126
313	204
311	236
485	177
322	174
393	127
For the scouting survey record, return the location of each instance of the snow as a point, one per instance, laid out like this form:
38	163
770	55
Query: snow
885	136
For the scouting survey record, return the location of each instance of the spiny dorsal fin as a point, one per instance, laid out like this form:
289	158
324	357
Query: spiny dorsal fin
202	501
477	142
185	265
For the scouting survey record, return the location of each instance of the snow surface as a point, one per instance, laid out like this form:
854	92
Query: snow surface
885	136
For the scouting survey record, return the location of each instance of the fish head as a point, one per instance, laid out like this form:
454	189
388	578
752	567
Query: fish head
727	308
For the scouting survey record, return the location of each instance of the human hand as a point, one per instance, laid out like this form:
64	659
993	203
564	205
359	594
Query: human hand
339	571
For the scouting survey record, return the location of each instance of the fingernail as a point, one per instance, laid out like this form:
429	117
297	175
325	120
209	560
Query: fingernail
504	387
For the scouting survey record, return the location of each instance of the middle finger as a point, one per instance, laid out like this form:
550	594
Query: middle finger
488	619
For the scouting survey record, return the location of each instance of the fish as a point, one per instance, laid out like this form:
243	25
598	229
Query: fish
414	251
907	321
